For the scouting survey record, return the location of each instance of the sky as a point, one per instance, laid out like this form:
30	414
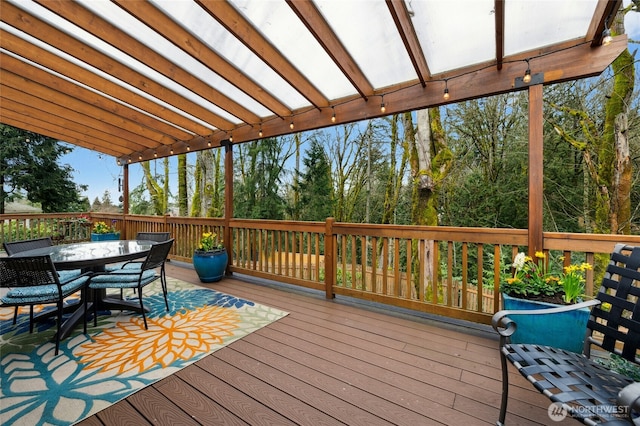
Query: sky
101	172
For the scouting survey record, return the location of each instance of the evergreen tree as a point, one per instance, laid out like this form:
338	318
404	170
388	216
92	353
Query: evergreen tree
29	162
316	190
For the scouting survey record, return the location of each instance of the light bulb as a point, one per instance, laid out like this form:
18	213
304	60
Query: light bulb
260	132
291	125
333	118
155	154
188	148
231	138
446	93
382	108
527	76
606	37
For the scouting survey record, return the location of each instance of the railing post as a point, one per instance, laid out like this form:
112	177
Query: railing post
329	258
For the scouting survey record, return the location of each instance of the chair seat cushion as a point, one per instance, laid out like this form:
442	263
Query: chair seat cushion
126	266
124	279
64	276
42	293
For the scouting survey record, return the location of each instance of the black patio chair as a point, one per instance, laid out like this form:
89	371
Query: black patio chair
24	245
581	387
136	264
33	281
136	278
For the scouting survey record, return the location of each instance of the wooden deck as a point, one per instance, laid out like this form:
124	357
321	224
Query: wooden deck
335	362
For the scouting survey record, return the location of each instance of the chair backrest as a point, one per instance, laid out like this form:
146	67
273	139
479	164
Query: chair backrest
24	245
157	255
614	325
27	271
153	236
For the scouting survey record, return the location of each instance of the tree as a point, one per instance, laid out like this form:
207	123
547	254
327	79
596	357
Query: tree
316	189
183	204
258	192
29	162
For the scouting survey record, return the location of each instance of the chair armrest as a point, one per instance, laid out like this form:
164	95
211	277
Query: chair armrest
629	400
506	326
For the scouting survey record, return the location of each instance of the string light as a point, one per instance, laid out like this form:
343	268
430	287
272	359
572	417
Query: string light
383	109
446	90
209	143
606	37
188	148
291	125
527	74
129	159
140	157
155	154
171	150
260	131
230	137
119	162
333	117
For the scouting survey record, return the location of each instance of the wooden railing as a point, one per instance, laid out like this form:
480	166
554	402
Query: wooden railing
439	270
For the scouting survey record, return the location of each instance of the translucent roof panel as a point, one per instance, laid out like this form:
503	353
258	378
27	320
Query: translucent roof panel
279	24
533	24
454	39
211	33
367	31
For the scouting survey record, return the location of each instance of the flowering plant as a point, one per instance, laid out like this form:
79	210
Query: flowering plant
103	228
208	242
532	280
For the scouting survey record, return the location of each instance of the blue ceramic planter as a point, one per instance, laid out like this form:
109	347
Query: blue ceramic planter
565	330
105	237
210	265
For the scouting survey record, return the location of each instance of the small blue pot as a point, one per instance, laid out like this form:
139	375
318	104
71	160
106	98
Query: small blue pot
210	265
105	237
565	330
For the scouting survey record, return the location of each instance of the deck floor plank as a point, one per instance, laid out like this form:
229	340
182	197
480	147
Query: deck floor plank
335	362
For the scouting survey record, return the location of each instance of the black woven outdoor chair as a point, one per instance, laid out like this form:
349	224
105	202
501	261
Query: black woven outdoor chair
34	281
579	386
24	245
136	278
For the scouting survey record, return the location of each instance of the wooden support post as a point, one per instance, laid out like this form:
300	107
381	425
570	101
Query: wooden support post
228	201
536	175
329	258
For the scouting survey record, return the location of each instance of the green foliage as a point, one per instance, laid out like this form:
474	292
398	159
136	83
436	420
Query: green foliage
620	365
316	190
257	187
29	163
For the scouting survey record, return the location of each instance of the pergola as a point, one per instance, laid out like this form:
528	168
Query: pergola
140	80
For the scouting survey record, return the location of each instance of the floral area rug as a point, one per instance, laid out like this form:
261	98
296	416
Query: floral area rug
118	357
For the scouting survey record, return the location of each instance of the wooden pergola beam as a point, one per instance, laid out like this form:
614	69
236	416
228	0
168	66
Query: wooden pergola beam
102	86
129	45
56	118
20	19
146	137
571	63
235	23
77	138
311	17
400	14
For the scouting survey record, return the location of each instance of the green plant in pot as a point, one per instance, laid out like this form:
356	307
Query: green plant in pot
535	286
210	258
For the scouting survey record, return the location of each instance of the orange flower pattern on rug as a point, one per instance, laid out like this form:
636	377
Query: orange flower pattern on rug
128	347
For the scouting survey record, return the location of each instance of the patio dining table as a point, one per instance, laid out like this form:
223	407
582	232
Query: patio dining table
92	257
